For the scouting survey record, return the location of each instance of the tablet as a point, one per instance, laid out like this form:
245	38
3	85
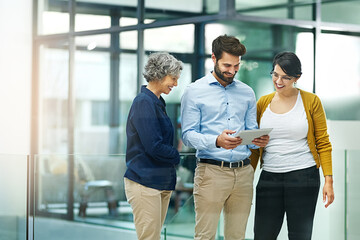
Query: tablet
249	135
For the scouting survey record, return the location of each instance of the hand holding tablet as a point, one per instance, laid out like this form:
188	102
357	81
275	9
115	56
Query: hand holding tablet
248	136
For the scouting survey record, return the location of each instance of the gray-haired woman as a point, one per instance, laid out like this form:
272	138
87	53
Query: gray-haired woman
150	156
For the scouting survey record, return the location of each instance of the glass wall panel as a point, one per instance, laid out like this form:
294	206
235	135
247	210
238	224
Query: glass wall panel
93	42
53	16
162	9
338	76
13	202
128	40
128	91
127	21
96	14
353	194
346	11
53	98
276	8
98	197
171	39
51	188
91	21
92	93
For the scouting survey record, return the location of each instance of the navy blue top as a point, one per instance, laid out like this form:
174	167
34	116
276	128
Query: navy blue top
150	155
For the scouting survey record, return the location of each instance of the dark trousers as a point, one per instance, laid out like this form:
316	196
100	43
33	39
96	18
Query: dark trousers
294	193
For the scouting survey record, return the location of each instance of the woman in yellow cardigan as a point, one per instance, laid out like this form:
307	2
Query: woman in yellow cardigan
299	144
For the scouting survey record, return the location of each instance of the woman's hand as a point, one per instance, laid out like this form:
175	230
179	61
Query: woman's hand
261	141
328	191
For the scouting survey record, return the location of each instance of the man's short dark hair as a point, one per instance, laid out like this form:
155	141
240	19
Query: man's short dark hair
229	44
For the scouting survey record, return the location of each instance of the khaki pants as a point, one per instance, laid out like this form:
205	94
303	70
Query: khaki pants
227	189
149	209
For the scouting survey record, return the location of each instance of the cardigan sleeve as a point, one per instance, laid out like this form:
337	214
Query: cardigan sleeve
322	142
255	153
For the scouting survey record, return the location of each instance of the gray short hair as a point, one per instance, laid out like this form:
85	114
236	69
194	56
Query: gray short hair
161	64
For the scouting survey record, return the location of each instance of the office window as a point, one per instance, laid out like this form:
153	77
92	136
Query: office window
171	39
91	84
163	9
99	113
53	98
53	17
338	76
346	11
276	8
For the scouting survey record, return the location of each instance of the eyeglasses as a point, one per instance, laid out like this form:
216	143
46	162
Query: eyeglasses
277	76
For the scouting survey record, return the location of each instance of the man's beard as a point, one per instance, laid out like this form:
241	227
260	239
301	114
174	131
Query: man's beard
222	76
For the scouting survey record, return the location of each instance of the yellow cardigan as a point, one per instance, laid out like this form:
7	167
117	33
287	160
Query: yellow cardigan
317	137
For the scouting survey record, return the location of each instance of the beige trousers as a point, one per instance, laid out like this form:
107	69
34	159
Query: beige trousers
149	209
217	189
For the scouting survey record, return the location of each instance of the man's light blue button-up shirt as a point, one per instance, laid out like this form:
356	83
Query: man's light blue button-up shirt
208	108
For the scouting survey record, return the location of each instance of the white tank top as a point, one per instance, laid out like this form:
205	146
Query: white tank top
288	149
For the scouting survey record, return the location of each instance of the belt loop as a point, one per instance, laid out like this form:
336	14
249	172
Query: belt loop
222	164
242	163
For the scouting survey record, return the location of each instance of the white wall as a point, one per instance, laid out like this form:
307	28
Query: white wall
15	75
15	82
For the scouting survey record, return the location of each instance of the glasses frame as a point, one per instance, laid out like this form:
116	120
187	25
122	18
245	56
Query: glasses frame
284	77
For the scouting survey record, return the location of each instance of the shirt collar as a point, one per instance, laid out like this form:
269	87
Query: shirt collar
212	80
155	99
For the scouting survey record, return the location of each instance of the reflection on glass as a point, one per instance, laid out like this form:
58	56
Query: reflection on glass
53	17
92	90
53	99
170	39
13	202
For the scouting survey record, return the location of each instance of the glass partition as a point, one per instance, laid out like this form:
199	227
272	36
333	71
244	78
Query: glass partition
338	76
277	8
53	97
53	17
13	200
162	10
352	194
97	194
92	94
330	11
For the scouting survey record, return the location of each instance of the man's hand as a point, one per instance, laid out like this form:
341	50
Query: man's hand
261	141
226	141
